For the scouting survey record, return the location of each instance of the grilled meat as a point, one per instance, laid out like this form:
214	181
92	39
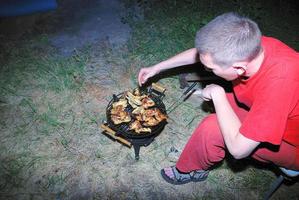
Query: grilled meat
138	128
144	116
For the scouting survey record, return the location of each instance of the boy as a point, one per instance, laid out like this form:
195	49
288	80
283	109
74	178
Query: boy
260	119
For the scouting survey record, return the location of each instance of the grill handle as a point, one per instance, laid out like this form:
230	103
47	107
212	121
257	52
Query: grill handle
158	87
157	90
112	133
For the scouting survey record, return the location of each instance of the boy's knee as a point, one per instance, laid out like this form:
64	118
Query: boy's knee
210	125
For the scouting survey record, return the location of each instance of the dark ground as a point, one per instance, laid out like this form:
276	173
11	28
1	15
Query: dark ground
94	167
74	25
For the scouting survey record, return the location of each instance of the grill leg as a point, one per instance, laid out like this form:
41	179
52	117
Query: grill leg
136	150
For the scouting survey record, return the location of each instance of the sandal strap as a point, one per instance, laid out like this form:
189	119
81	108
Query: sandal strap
199	174
181	177
178	178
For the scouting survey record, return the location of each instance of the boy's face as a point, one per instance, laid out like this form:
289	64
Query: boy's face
228	74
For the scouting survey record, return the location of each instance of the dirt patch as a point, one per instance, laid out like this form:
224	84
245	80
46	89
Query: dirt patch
85	23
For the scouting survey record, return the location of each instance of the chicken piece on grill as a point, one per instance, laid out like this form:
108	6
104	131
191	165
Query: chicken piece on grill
138	128
138	110
151	121
118	113
139	117
153	117
136	92
138	95
135	98
147	102
135	125
120	117
149	112
159	115
143	129
134	101
119	106
120	102
117	109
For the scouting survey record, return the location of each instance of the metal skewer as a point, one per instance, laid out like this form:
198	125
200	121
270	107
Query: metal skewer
181	98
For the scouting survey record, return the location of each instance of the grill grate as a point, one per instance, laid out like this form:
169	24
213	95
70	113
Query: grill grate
123	128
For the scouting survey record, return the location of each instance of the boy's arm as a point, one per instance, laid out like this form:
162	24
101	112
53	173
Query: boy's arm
187	57
238	145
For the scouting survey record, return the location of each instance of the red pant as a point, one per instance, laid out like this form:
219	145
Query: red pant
206	146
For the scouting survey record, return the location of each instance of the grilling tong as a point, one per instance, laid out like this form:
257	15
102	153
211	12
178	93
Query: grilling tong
190	90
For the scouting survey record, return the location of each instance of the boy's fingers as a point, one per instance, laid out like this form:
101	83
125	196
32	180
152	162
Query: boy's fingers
140	79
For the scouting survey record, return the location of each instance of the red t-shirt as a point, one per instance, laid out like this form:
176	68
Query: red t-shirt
272	94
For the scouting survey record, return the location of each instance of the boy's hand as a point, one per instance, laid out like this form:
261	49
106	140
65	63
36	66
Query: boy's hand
145	74
212	91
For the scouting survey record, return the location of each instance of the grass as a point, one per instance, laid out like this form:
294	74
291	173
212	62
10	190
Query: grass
169	27
51	106
38	90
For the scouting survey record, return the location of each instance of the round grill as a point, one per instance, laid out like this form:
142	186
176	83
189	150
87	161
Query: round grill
123	128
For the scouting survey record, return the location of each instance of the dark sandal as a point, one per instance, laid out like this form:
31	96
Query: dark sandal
183	178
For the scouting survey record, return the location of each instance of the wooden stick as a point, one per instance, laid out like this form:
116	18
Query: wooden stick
112	133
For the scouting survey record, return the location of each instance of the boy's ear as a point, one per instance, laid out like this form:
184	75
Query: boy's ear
240	69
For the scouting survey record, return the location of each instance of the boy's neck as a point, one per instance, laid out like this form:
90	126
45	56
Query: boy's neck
254	65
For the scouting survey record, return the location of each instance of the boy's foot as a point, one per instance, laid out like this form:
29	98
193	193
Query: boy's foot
173	176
